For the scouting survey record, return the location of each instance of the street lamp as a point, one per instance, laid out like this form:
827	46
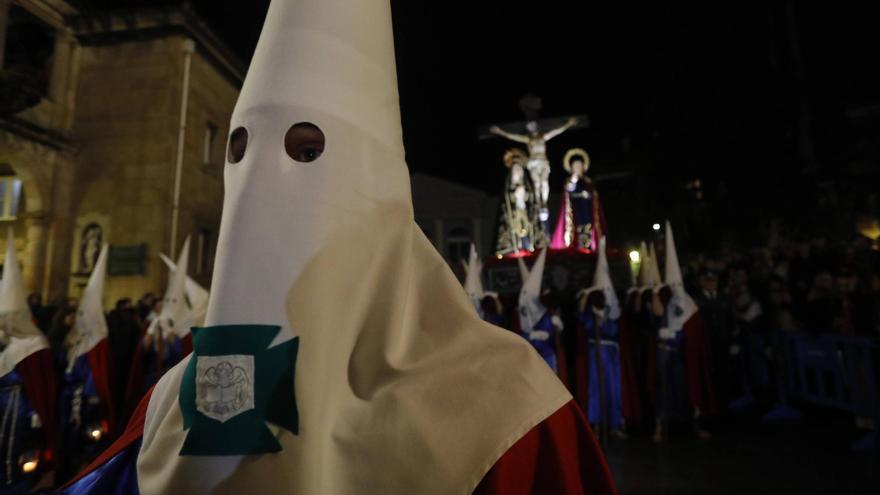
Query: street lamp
634	256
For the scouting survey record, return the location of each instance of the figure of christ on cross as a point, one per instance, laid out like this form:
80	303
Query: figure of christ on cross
538	165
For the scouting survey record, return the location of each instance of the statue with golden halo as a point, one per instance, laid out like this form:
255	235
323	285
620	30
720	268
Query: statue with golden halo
581	220
518	227
537	164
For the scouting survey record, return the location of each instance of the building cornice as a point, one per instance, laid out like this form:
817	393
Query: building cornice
32	132
138	24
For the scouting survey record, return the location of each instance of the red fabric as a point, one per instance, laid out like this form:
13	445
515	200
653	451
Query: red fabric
632	408
99	363
698	363
134	380
559	456
557	240
186	345
133	432
41	389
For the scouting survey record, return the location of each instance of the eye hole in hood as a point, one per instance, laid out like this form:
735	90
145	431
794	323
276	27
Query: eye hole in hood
304	142
237	145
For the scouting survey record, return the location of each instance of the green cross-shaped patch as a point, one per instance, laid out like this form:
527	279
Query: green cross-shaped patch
244	383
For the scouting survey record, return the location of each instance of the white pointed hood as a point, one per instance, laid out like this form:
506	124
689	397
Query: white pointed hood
176	317
90	325
12	293
196	295
602	281
649	274
656	279
523	270
682	307
530	308
19	334
644	266
330	252
473	285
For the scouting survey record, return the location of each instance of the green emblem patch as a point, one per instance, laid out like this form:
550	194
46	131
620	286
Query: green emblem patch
233	384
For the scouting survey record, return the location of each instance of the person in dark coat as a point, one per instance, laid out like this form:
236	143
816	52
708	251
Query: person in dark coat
125	330
717	311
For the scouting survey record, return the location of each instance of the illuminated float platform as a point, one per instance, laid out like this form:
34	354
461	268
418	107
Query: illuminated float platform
567	271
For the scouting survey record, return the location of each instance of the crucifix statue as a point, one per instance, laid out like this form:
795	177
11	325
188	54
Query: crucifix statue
535	138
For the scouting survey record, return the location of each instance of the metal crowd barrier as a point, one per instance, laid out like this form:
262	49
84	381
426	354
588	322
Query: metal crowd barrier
835	371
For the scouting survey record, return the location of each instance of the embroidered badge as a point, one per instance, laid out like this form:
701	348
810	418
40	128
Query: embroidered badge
224	385
233	385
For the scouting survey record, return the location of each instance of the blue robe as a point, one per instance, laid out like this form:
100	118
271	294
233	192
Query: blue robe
118	476
609	351
15	429
80	375
76	447
581	197
672	391
546	348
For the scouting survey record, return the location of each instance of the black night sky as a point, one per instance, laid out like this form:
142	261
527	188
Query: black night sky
764	102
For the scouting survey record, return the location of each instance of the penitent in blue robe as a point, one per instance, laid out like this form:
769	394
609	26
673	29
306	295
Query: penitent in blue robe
16	434
79	376
609	353
546	348
672	392
78	396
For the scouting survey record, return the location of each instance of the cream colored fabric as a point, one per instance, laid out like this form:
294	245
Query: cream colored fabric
656	279
423	398
473	285
687	307
18	349
531	310
195	293
602	282
644	268
401	388
17	329
176	316
90	326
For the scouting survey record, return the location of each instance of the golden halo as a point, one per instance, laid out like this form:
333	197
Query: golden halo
576	153
515	155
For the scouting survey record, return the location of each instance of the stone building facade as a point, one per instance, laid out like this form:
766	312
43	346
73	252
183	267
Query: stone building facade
119	138
453	216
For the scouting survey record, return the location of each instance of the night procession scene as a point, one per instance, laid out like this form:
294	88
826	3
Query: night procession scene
444	248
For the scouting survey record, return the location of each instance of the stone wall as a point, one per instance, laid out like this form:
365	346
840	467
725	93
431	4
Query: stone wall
101	148
126	125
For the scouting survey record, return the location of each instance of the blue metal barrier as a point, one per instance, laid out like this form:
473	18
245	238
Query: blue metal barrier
834	371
